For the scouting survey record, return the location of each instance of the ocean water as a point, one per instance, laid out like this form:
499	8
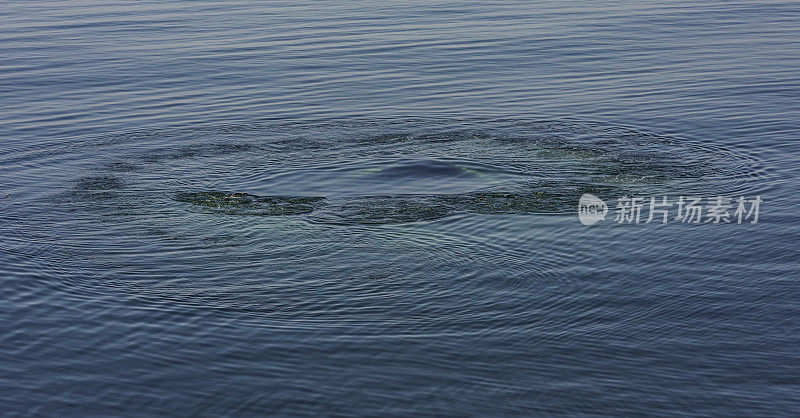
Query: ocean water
371	208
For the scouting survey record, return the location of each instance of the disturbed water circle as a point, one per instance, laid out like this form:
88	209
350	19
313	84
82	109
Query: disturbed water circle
373	173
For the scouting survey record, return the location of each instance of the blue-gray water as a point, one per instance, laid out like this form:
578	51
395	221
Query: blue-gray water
370	208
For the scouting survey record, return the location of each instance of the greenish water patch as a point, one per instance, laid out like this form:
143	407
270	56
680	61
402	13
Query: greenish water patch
391	209
248	204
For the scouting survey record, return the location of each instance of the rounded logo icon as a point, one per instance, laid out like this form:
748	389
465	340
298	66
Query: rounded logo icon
591	209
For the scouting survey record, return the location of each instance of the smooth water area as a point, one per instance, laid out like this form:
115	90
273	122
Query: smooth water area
370	208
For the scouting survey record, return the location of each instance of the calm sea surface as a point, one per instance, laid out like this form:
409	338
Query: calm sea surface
370	208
